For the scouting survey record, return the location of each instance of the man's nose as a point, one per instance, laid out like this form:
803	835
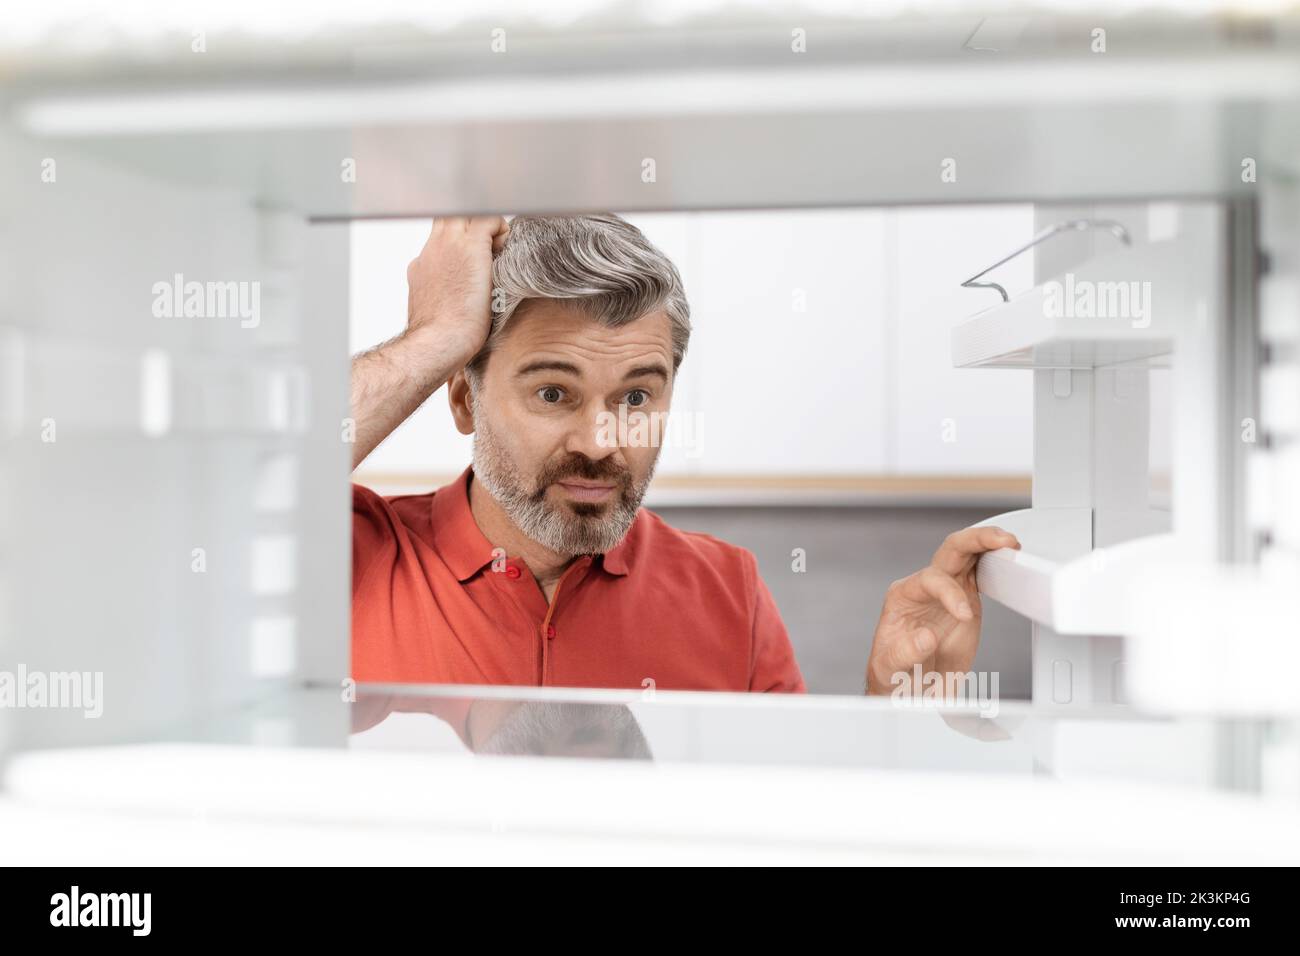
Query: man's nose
594	433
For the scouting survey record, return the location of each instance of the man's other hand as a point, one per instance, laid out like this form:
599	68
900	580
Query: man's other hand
932	617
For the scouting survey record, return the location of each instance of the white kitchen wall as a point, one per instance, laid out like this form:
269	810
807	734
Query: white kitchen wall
427	443
789	347
820	347
946	420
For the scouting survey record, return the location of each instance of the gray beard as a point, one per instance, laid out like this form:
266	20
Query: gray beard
556	527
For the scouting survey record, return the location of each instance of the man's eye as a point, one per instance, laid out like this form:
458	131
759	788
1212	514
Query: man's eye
550	394
637	396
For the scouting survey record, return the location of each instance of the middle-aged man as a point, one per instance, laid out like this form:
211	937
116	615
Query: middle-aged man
538	566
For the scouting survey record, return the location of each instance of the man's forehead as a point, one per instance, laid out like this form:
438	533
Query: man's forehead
552	325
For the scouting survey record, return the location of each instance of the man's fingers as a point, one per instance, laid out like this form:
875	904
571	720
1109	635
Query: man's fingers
489	224
912	650
495	227
449	224
945	589
959	549
436	231
902	655
923	644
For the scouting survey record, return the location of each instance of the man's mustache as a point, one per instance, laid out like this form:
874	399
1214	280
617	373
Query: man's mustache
588	469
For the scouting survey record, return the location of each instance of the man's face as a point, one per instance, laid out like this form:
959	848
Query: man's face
546	442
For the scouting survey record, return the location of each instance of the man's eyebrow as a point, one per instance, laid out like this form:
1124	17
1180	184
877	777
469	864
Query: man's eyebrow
641	370
549	366
554	365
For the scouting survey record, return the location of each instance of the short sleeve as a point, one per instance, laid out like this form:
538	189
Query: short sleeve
774	666
372	532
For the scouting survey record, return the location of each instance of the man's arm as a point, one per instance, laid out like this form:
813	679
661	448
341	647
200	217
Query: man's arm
447	321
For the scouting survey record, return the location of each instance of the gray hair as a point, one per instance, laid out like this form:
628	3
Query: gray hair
602	263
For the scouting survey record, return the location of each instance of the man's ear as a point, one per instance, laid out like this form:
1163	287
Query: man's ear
458	397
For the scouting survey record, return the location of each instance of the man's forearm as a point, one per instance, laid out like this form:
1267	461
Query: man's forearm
391	381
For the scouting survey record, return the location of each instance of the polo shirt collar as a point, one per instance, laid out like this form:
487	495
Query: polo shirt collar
615	560
456	534
465	548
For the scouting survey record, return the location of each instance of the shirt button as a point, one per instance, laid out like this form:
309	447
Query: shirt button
512	571
550	630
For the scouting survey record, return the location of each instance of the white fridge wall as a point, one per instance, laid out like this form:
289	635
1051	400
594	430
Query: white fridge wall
177	564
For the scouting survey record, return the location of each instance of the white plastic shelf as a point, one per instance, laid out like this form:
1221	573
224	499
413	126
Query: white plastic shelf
1086	593
1028	332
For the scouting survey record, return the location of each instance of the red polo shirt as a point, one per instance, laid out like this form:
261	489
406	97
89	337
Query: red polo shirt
429	605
